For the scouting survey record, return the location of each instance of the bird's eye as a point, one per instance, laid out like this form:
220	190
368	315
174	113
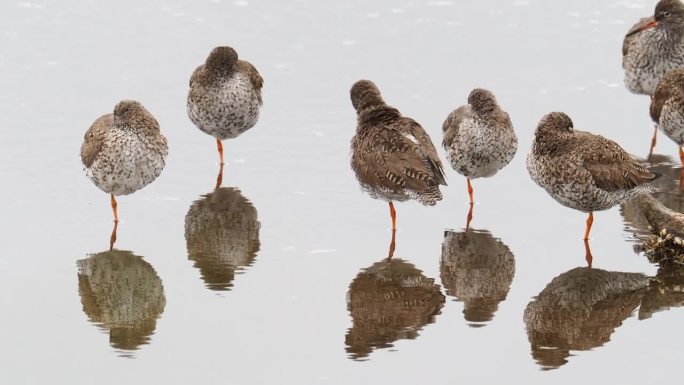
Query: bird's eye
667	14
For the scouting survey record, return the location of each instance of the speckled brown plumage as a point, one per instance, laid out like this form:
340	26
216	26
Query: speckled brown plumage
225	95
579	310
667	106
479	137
122	293
477	269
388	301
653	47
222	236
124	151
392	156
581	170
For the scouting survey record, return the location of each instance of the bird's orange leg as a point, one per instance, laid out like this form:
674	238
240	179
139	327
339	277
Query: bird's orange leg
470	191
469	217
590	221
114	206
653	141
393	214
681	155
588	256
220	150
112	238
219	178
392	245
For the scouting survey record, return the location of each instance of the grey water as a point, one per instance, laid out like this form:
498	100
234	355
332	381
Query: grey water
282	277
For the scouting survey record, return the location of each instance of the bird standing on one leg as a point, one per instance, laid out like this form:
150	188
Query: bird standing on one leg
479	137
124	151
581	170
392	156
225	96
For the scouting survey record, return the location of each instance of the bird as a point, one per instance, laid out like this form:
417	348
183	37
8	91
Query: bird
225	96
627	43
124	151
478	137
392	156
667	107
654	46
583	171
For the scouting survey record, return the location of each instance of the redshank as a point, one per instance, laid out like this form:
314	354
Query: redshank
653	47
225	96
392	156
581	170
479	138
124	151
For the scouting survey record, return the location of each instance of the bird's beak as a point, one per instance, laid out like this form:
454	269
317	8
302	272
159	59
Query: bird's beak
643	27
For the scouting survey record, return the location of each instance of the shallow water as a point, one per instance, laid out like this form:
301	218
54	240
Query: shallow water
279	304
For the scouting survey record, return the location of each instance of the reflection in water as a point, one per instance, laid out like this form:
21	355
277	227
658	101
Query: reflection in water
122	293
222	236
579	310
669	194
112	238
388	301
477	269
666	291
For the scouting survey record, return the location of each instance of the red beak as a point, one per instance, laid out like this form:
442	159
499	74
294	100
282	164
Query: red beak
643	27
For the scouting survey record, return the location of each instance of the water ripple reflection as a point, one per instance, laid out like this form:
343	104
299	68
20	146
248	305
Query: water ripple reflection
478	269
388	301
222	236
579	310
123	294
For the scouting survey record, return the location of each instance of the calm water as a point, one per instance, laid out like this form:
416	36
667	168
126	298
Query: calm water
280	277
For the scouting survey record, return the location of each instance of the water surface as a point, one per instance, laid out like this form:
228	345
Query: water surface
277	303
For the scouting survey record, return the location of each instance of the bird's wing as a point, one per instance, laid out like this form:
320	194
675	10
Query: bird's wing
452	124
94	139
254	77
612	168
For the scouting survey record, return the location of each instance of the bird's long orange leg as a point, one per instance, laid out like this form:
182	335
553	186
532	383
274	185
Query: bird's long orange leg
588	256
219	178
392	245
469	217
114	206
112	238
590	221
220	150
393	214
470	191
653	141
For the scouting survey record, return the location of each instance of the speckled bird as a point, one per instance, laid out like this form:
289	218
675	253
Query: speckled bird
653	47
124	151
581	170
479	137
392	156
225	96
667	107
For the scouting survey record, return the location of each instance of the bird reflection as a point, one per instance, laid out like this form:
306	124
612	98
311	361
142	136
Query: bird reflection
669	194
579	310
666	291
112	238
219	177
388	301
477	269
122	293
222	236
